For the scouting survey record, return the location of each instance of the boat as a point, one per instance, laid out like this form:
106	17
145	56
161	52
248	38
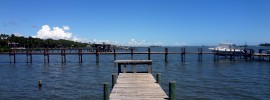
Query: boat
227	49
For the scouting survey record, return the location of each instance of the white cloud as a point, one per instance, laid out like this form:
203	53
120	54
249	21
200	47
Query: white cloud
66	28
55	33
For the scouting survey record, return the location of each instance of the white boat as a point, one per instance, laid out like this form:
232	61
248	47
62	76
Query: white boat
227	48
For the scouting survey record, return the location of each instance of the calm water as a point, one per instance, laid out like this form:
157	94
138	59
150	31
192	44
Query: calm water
195	80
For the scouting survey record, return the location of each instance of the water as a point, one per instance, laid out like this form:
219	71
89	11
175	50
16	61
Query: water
195	80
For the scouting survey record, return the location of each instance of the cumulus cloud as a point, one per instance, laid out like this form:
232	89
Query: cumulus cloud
134	42
66	28
55	33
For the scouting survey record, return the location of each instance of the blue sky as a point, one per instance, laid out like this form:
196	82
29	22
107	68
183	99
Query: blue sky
140	22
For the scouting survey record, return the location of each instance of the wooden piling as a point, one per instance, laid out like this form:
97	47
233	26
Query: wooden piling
44	52
172	90
158	79
14	58
31	60
97	55
39	83
10	55
166	54
114	54
199	54
114	78
149	53
183	54
106	93
132	51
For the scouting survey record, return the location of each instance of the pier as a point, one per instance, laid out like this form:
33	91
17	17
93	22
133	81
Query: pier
136	86
248	56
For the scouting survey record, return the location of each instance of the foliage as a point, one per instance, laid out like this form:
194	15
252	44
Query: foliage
264	44
7	42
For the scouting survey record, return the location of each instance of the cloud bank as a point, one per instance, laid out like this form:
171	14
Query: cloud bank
55	33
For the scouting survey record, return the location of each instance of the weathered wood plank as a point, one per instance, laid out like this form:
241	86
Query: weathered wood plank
137	86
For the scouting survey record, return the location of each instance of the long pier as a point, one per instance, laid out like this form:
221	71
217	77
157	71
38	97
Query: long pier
250	55
137	86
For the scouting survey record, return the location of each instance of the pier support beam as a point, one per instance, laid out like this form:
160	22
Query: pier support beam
158	79
97	55
183	54
172	90
114	78
114	54
149	53
166	54
132	51
106	93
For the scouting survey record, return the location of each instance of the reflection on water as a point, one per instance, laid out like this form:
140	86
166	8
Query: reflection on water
195	80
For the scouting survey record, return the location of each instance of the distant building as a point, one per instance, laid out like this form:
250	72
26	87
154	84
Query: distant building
103	47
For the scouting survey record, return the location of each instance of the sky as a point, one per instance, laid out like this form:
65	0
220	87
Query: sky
140	22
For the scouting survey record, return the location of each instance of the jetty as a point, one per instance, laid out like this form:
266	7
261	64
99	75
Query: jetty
137	86
250	54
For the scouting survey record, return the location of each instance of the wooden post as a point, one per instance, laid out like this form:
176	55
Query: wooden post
114	78
44	52
14	58
80	55
234	54
158	79
97	55
65	60
27	50
48	58
106	92
172	90
149	53
149	68
199	54
119	68
39	83
62	56
131	53
114	53
183	52
31	60
10	55
166	54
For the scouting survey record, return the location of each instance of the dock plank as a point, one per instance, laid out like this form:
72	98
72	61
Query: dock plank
137	86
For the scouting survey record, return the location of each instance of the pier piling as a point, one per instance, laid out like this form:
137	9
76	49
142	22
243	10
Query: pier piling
106	93
149	53
158	78
166	54
114	78
172	90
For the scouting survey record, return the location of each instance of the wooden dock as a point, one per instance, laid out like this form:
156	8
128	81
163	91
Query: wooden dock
137	86
250	54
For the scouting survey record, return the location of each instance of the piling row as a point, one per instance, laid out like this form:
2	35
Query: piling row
248	56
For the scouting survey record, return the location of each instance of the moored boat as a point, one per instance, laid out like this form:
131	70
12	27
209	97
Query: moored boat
226	49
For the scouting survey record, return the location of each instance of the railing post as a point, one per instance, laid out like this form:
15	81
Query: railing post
114	53
106	93
158	79
97	55
149	53
172	90
114	78
166	54
132	53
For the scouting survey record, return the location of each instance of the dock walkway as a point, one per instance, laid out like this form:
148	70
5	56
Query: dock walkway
136	86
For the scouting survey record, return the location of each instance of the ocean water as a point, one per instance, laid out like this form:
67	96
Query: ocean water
208	79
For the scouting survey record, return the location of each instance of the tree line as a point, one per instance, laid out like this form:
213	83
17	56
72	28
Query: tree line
11	41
